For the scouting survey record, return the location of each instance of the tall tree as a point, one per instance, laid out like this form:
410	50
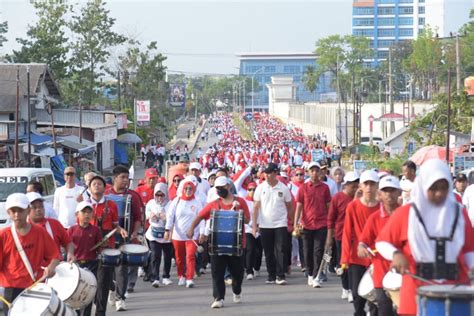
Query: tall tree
467	48
310	78
46	41
3	30
91	49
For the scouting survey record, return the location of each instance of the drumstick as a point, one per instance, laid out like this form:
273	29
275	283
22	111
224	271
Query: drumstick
5	301
419	278
106	237
37	281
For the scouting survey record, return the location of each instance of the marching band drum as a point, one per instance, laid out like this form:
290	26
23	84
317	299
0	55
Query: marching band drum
392	282
124	203
445	300
226	233
134	255
110	257
366	286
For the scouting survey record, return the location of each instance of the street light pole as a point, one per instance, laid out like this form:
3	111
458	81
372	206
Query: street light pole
448	130
261	68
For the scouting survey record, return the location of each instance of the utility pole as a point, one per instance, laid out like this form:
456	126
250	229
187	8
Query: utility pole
448	131
338	102
80	117
354	141
390	91
458	67
29	113
119	92
17	114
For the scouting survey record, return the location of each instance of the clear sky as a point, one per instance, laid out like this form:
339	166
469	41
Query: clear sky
204	36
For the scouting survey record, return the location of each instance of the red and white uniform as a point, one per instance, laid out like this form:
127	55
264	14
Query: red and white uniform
56	230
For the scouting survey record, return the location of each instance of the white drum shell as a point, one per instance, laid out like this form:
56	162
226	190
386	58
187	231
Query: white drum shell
366	286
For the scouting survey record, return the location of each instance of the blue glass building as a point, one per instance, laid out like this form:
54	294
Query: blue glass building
262	66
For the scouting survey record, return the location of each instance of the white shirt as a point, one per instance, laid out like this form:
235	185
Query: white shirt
180	215
298	160
65	202
153	208
332	186
468	201
273	211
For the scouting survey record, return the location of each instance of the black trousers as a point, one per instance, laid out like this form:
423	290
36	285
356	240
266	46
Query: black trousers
104	282
253	253
218	267
10	293
92	266
289	249
384	303
301	251
275	243
313	248
157	249
355	275
121	281
345	274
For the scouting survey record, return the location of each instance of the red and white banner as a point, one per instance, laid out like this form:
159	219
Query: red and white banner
143	110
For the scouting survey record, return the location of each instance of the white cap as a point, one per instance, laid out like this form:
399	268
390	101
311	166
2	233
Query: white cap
221	181
283	174
389	182
17	200
406	185
33	196
313	164
194	165
351	176
369	175
82	205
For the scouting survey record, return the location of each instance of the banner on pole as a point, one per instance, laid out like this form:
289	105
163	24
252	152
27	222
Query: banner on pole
178	95
143	110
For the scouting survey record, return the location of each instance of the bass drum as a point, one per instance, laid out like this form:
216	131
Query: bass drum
366	286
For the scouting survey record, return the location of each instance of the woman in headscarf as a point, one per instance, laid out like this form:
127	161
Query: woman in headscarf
156	211
182	210
173	188
431	237
337	174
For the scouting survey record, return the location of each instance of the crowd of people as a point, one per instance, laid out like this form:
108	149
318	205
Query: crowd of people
296	208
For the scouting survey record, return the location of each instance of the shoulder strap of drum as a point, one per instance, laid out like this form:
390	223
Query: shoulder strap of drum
453	227
22	253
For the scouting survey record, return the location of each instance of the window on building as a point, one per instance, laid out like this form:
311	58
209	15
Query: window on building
297	78
405	32
382	54
386	10
252	69
386	1
363	11
405	21
386	21
406	1
363	22
421	10
363	32
386	32
371	44
291	69
385	43
421	21
405	10
269	69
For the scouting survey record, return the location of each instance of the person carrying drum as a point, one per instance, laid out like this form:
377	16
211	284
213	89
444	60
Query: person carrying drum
312	208
84	237
389	194
226	201
25	250
357	213
430	238
52	226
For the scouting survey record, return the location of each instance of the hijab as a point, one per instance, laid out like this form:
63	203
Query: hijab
183	194
438	219
163	188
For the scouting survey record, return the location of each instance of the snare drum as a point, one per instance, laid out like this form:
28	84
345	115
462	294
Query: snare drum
110	257
226	233
75	286
41	300
443	300
157	231
134	255
392	282
366	285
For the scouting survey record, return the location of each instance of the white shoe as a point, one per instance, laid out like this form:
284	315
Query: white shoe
350	297
111	299
141	272
281	281
250	276
217	304
156	283
182	281
345	294
120	306
310	280
316	283
167	281
237	298
189	284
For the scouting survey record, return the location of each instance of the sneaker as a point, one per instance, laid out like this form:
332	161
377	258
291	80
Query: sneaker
203	271
189	284
310	280
120	306
280	281
167	281
217	304
345	294
250	276
182	281
141	272
237	298
156	283
111	299
126	294
269	281
350	297
257	273
316	283
228	281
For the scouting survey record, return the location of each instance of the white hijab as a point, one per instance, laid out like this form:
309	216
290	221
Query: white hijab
438	219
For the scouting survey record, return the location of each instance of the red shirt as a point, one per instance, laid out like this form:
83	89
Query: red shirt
314	198
145	192
60	236
356	217
372	228
218	205
337	213
84	238
395	232
109	218
39	248
137	205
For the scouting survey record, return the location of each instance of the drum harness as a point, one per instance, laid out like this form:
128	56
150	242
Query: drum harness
439	269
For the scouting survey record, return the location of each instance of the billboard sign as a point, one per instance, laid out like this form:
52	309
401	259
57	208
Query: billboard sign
178	95
143	110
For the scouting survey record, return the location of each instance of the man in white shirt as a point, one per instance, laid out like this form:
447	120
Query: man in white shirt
67	197
273	207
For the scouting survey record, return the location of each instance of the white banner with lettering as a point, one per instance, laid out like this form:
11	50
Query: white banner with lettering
143	110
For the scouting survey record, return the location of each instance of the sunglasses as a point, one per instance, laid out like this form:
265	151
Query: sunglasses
188	188
70	174
300	174
251	190
177	180
160	194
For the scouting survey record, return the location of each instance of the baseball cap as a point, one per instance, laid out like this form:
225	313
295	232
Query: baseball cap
151	173
221	181
369	175
17	200
98	177
271	167
461	177
351	176
82	205
195	165
389	182
34	196
313	164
